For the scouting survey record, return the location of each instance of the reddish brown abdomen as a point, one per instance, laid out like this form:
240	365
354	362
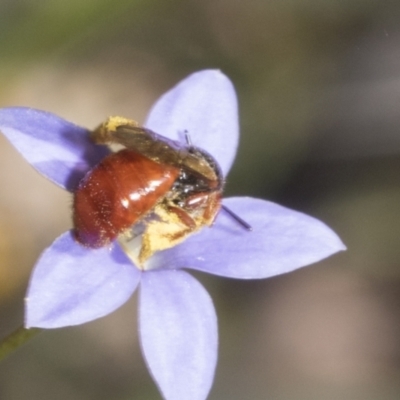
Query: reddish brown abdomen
115	194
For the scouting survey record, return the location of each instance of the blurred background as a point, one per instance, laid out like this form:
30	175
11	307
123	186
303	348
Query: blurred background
319	91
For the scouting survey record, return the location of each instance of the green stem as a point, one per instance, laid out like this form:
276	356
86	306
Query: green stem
16	339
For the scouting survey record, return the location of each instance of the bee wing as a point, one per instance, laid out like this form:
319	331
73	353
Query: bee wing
151	145
155	147
163	150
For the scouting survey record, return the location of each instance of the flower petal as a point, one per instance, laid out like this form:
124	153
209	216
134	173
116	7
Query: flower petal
205	106
58	149
71	284
281	241
178	331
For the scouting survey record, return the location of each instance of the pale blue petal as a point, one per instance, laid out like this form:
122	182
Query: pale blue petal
205	106
58	149
178	331
71	284
281	241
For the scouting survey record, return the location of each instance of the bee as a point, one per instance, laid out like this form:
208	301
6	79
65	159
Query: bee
174	189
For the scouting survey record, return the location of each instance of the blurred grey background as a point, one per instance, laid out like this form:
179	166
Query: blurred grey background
319	90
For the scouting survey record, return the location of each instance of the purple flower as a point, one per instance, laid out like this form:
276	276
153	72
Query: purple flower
71	284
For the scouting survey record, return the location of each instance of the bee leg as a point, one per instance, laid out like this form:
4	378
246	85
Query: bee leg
170	228
105	133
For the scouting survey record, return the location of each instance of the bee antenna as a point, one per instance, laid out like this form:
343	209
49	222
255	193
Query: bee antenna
233	215
188	138
236	217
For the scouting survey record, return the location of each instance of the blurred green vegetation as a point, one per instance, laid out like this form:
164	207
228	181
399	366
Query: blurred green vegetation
34	30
